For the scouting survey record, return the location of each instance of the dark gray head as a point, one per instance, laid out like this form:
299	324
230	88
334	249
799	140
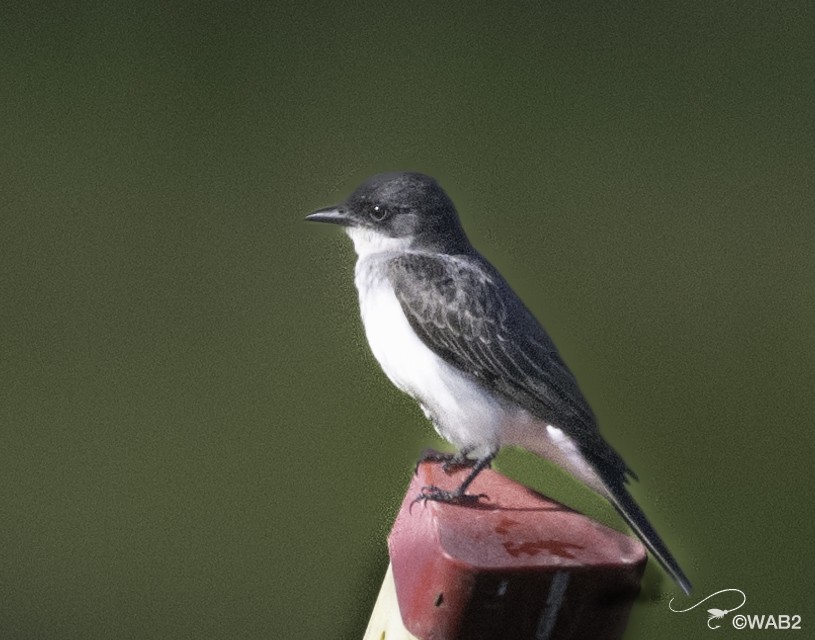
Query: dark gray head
410	209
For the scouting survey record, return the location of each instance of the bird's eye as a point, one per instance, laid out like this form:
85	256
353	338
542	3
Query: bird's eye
379	213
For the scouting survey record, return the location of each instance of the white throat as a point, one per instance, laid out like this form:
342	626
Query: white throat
367	242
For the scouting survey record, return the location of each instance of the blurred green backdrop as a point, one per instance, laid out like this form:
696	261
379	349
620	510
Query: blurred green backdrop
196	442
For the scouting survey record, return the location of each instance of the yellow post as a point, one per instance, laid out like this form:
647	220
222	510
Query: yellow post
386	621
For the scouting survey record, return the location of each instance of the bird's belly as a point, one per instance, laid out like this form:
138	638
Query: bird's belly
463	412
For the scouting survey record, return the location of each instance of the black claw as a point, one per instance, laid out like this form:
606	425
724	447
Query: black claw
459	496
450	497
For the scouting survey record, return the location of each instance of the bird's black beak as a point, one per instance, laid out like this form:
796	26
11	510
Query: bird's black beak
335	215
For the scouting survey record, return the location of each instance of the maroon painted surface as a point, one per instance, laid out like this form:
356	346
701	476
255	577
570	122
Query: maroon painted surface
514	565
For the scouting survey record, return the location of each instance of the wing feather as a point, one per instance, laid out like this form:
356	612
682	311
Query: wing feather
465	312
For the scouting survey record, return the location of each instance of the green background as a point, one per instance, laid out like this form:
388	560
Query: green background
195	441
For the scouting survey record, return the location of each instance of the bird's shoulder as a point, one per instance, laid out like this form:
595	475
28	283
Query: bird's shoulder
463	294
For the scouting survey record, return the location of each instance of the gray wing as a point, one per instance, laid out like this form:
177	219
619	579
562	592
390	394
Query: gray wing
465	312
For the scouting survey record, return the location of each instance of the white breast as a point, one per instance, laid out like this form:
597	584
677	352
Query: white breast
462	411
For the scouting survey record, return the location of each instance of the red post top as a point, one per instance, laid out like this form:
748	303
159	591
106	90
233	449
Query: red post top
514	565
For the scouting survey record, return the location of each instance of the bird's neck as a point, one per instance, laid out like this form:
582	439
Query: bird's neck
367	242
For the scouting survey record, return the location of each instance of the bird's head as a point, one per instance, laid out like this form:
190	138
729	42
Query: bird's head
398	211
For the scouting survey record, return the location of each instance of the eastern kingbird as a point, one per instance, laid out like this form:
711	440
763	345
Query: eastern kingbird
449	331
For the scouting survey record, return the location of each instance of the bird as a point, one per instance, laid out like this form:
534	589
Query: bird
448	330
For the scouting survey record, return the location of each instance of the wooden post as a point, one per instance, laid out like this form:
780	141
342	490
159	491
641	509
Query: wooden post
514	565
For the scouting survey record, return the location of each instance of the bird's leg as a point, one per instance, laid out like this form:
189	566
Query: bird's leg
459	495
449	461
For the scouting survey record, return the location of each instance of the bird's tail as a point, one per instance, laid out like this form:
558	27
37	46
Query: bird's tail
633	515
604	471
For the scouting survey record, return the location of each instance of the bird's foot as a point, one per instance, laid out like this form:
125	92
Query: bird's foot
458	496
450	462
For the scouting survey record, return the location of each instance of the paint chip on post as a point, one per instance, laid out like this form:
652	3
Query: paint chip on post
548	618
514	565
